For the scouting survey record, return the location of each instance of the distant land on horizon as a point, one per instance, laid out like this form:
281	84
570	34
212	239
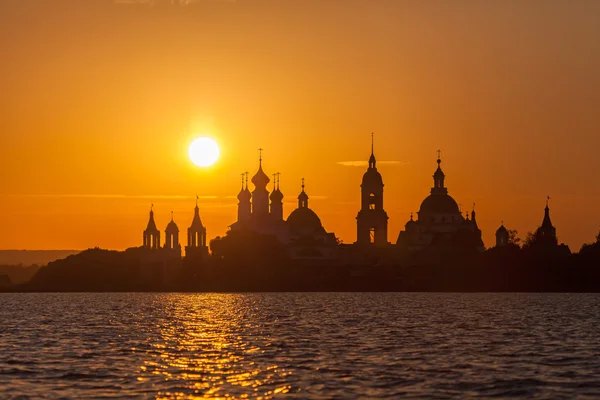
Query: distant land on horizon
31	257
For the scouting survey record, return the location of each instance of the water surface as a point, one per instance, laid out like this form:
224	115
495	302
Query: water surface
323	345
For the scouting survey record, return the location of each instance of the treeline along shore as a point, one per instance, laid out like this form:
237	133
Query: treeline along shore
263	265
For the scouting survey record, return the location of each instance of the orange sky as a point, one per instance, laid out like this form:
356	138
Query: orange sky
99	100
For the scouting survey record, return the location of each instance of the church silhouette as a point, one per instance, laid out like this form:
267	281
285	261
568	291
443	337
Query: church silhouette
439	226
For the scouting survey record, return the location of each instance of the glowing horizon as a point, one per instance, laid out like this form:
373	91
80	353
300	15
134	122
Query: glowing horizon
102	101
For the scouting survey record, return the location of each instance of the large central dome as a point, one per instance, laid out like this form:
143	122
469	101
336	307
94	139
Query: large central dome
438	204
305	221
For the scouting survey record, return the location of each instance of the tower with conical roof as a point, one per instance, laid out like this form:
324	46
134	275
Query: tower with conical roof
151	234
276	199
244	204
196	235
546	233
502	236
371	221
260	194
172	236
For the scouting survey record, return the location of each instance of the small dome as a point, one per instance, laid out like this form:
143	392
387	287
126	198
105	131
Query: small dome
372	177
411	222
276	196
305	221
501	230
172	227
303	196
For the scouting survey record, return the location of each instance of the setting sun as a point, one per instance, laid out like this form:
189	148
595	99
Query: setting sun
204	152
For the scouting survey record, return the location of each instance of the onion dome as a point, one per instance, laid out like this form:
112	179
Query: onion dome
260	179
172	226
244	194
276	195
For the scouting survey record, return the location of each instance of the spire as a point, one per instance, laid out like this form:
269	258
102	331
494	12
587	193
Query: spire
151	227
547	223
372	161
196	222
473	215
172	213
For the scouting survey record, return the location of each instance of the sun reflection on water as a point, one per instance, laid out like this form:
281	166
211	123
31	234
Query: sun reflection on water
200	352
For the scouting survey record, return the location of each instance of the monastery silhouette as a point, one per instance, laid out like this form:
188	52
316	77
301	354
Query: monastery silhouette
439	225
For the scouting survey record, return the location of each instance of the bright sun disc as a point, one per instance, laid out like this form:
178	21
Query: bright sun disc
204	152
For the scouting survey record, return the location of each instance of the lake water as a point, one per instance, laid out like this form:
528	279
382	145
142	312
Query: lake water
317	345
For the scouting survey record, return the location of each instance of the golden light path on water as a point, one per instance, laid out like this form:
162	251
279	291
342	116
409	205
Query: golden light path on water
201	350
299	345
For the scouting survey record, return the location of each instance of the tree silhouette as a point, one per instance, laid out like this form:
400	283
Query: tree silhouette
513	237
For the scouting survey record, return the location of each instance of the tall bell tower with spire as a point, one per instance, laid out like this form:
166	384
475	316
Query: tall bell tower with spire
260	194
372	220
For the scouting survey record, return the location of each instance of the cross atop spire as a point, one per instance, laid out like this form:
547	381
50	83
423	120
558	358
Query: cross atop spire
171	215
260	154
152	207
439	154
303	184
246	173
547	201
277	175
197	197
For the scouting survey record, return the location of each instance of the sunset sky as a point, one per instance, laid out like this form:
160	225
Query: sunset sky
100	99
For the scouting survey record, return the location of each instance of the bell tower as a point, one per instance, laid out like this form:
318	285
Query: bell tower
151	234
371	221
196	235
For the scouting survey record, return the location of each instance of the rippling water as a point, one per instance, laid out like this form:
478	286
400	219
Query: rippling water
327	345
